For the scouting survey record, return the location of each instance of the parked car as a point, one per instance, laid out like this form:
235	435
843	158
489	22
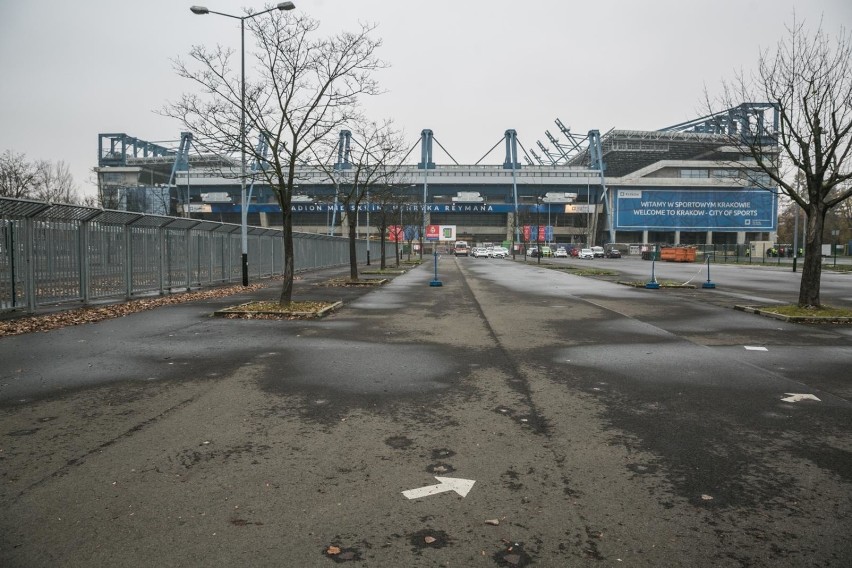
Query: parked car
561	253
598	252
613	253
535	251
461	248
479	252
499	252
575	252
586	254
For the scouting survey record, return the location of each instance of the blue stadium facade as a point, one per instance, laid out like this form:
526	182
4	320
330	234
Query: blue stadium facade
686	184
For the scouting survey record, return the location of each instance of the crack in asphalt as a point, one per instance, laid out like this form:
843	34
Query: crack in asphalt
517	380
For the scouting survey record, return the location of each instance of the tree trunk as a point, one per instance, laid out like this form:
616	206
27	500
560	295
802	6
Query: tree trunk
289	265
812	266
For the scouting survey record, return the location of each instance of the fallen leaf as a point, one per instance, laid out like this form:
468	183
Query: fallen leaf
90	314
332	550
494	522
430	539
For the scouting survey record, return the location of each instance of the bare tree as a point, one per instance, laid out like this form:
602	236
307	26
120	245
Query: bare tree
18	177
411	219
307	87
403	208
91	201
42	180
844	216
390	199
375	160
808	78
55	183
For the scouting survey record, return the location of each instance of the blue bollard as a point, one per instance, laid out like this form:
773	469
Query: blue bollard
708	284
436	282
653	284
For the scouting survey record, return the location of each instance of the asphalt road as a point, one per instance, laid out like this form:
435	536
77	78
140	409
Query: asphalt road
603	425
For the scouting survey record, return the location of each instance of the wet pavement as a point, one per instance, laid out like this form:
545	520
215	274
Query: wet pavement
603	425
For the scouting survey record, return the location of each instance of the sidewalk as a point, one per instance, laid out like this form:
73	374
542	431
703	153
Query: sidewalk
577	406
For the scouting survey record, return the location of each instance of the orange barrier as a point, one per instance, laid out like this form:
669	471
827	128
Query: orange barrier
677	254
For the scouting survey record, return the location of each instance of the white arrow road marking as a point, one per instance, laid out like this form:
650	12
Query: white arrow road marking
460	486
752	348
796	397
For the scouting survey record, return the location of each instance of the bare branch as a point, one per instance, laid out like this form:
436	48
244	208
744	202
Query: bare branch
300	87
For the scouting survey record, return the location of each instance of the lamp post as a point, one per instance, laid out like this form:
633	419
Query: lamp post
368	227
425	195
515	198
201	10
835	233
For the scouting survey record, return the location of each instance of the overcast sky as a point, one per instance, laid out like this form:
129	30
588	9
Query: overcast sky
467	69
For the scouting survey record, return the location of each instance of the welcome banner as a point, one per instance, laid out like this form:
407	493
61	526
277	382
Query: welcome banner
733	210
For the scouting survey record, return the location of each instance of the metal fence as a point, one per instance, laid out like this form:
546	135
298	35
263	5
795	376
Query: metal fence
54	253
746	253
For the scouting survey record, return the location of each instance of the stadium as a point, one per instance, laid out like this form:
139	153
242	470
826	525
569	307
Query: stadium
686	184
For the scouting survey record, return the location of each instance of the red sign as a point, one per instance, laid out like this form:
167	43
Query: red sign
433	232
530	230
396	233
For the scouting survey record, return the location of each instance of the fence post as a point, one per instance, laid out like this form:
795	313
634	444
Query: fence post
225	261
84	262
128	269
210	243
13	253
161	237
188	239
29	258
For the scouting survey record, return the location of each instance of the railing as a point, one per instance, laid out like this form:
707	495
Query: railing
54	253
783	255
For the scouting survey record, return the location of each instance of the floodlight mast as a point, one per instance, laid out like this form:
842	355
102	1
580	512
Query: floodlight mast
200	11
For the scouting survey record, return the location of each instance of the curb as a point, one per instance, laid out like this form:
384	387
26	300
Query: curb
235	310
793	319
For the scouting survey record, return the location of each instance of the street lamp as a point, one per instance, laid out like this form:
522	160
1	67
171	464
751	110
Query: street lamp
201	10
368	227
425	195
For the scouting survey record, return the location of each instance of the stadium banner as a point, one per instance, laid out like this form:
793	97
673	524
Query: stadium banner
396	233
440	232
711	210
433	232
403	233
581	208
297	208
538	233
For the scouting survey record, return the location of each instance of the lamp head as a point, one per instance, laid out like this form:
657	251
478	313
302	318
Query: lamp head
200	10
285	6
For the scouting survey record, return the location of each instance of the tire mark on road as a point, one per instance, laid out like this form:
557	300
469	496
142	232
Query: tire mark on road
80	460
